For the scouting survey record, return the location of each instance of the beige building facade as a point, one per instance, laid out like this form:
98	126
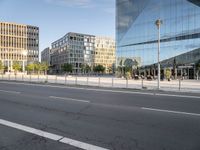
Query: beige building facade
105	53
19	43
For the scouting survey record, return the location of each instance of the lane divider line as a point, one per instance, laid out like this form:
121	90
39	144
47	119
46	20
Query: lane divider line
69	99
54	137
13	92
182	96
81	145
171	111
30	130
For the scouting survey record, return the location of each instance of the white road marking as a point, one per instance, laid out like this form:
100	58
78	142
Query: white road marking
30	130
183	96
81	144
105	90
171	111
69	99
13	92
51	136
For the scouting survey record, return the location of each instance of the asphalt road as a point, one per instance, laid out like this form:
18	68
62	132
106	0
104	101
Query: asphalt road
108	119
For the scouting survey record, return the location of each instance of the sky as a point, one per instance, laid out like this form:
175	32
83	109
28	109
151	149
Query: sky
55	18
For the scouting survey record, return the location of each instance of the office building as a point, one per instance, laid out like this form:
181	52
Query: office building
19	43
73	48
105	53
45	55
137	34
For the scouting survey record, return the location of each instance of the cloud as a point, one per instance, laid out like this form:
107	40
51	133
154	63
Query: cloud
71	3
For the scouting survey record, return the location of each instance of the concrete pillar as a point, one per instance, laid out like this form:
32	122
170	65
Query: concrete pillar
8	66
23	66
11	66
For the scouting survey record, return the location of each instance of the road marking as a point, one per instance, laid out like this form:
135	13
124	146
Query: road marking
30	130
183	96
171	111
13	92
51	136
81	144
105	90
69	99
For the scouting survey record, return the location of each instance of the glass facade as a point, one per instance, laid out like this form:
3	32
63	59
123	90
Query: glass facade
137	33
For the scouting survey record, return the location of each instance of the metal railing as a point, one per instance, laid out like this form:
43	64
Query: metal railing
112	82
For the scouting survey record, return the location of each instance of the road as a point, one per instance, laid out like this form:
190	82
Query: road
36	116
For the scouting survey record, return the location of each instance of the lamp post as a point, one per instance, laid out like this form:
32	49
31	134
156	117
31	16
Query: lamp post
158	24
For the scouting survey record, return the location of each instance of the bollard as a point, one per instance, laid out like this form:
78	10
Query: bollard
76	80
65	79
126	83
38	78
87	81
99	83
142	83
46	78
112	82
15	77
56	79
9	76
179	84
30	78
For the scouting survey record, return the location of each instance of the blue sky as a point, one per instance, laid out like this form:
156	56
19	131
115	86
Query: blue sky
57	17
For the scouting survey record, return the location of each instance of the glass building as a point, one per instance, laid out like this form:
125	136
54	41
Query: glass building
137	34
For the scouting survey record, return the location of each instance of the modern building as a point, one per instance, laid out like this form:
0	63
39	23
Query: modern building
137	34
105	53
45	55
19	43
73	48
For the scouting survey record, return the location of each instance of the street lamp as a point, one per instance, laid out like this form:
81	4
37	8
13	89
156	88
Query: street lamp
158	24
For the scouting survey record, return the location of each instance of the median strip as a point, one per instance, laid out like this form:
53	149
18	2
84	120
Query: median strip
171	111
69	99
51	136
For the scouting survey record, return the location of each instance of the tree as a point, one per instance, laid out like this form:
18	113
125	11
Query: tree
197	66
88	69
16	66
85	68
45	67
30	67
67	67
128	75
99	69
128	69
38	67
168	74
1	66
110	69
174	68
